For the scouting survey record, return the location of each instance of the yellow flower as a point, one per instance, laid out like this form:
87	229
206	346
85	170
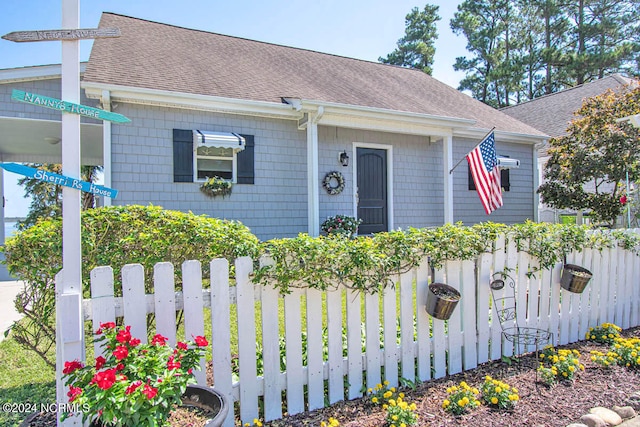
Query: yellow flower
257	422
463	384
461	403
385	382
393	389
413	406
401	395
403	425
387	394
445	403
593	337
374	399
378	386
385	406
333	422
369	390
394	417
494	400
498	390
322	424
392	402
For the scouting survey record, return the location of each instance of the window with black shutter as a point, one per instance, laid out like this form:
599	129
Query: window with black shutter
504	179
227	155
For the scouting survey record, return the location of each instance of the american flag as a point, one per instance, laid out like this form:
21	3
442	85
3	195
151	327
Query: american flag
483	162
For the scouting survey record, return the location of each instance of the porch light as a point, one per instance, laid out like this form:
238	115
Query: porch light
343	158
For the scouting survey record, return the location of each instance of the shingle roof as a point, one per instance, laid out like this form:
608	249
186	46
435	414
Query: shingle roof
552	113
165	57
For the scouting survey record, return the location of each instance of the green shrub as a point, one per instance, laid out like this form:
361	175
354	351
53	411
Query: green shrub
115	236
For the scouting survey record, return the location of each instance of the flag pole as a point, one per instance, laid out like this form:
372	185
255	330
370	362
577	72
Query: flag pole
465	156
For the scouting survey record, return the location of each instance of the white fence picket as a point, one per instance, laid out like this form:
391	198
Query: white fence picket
164	297
585	299
390	335
293	332
221	333
103	305
354	343
407	353
632	276
625	280
483	309
499	346
439	338
193	308
315	370
455	321
335	343
372	339
422	320
247	341
271	353
468	311
133	299
605	291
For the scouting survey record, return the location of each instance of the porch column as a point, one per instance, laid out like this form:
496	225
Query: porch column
313	189
2	236
106	146
447	161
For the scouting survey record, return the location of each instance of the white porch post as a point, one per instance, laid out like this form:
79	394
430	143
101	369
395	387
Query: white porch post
2	236
69	325
313	189
447	161
106	145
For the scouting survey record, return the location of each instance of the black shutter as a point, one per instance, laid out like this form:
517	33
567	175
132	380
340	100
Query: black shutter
182	155
472	184
246	160
504	179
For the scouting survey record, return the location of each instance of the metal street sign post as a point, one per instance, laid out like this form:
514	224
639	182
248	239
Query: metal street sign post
53	35
67	107
54	178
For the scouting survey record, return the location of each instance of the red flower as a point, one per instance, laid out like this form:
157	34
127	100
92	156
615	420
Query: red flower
100	361
124	335
159	340
121	352
623	199
69	367
105	379
149	391
182	345
134	342
201	341
73	393
172	365
133	387
120	367
103	326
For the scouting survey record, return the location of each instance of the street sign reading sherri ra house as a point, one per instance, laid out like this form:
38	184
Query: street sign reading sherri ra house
67	107
56	179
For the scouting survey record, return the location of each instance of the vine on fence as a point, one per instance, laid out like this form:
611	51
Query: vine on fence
369	263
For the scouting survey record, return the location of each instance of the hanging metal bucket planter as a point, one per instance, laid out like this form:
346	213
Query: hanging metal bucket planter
441	300
575	278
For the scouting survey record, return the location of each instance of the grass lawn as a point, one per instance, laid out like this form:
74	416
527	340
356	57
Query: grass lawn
24	379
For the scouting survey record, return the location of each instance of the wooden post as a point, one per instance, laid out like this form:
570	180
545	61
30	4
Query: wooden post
69	334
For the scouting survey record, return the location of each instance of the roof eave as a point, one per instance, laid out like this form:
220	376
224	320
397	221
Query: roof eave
163	98
38	72
380	119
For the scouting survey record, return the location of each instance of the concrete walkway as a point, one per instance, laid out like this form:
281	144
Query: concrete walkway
8	313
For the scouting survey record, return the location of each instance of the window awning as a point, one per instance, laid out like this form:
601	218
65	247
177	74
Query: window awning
218	140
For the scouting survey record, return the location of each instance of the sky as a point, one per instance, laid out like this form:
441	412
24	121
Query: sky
362	29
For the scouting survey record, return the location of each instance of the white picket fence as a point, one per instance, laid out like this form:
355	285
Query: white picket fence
400	340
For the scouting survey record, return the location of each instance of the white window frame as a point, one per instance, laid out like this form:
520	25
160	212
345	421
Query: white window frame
233	158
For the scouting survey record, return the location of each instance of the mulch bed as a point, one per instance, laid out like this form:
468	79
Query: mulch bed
539	406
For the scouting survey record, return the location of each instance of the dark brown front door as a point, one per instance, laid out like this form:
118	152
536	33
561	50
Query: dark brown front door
372	190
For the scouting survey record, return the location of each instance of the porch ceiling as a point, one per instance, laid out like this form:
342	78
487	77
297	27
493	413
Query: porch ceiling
31	140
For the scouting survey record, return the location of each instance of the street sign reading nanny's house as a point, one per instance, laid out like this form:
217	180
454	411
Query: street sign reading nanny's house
54	178
67	107
52	35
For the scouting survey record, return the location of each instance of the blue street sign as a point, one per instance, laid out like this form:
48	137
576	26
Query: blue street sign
54	178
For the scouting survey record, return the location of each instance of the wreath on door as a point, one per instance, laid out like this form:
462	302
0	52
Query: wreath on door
333	183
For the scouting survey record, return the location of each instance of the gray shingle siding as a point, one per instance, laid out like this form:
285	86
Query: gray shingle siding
517	203
142	157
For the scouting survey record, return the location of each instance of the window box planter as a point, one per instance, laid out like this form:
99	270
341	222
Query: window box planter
574	278
441	300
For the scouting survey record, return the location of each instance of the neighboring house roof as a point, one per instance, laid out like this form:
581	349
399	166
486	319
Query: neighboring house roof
174	59
552	113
